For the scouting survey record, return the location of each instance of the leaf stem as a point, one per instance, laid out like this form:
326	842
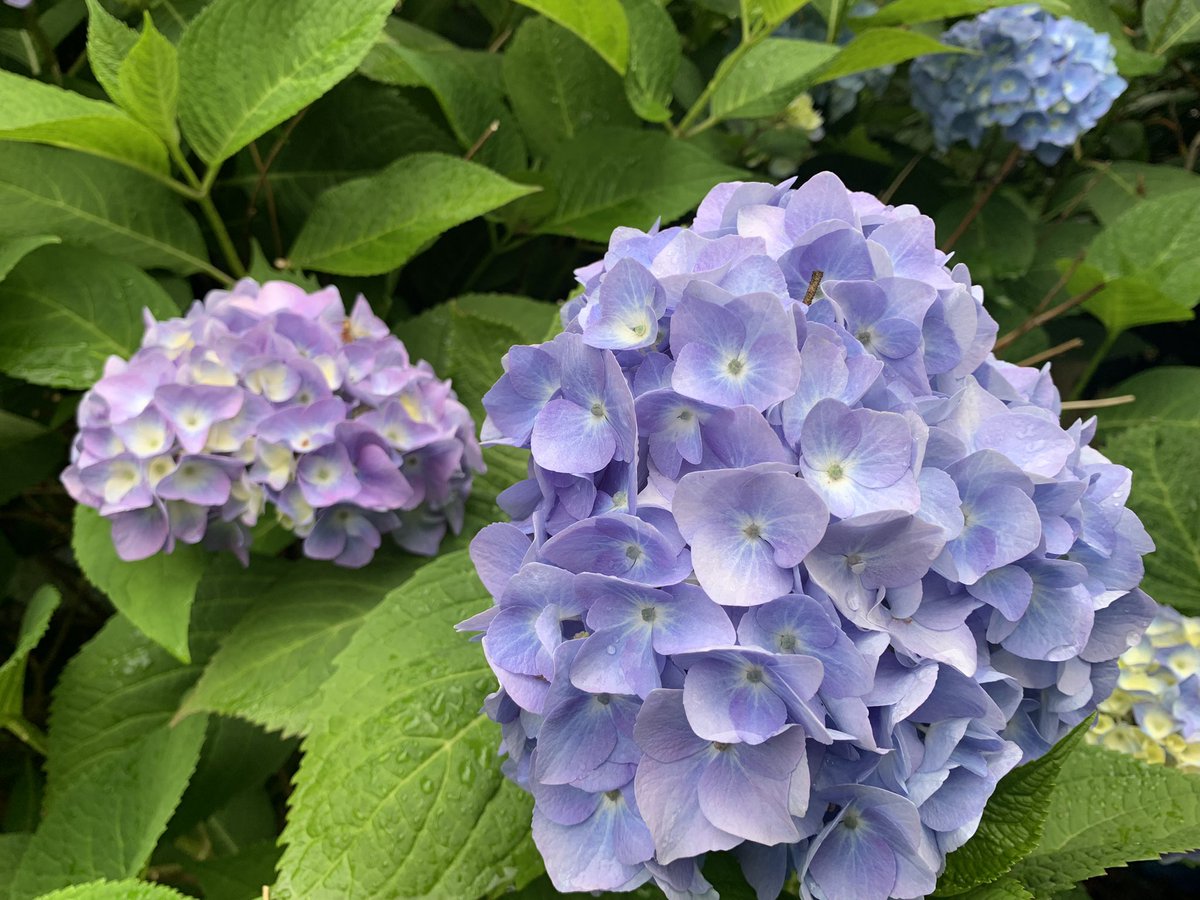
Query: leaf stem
34	28
29	733
221	233
981	201
1042	318
727	65
1093	364
836	8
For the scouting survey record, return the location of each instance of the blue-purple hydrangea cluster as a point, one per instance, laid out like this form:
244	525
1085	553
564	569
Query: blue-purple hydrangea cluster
19	4
1042	80
800	569
268	394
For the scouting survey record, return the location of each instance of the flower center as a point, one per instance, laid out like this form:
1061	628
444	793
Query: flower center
752	530
754	675
835	472
719	747
649	614
604	699
685	415
633	552
787	642
598	410
735	366
613	795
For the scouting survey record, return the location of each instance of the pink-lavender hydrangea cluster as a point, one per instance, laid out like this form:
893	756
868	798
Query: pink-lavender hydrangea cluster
272	395
800	569
1042	80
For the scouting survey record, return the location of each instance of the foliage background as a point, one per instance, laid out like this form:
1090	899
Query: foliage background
195	724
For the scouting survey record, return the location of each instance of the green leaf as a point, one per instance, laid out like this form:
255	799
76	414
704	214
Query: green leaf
172	17
1003	889
531	318
601	24
1012	821
65	310
399	792
769	77
876	47
557	85
149	83
114	890
81	199
34	623
913	12
155	594
1166	395
375	224
766	15
13	250
109	41
505	467
107	820
1171	22
466	85
271	666
1165	458
122	686
12	848
1127	302
246	65
1156	242
1109	809
42	113
655	54
1122	185
614	176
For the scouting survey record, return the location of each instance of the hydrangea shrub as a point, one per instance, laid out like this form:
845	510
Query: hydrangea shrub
1154	712
270	395
800	569
1042	80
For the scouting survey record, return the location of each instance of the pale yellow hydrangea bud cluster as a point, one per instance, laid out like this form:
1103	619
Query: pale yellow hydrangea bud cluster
1154	712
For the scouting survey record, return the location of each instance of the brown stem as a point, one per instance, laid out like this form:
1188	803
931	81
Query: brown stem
492	128
973	213
1042	318
886	196
1100	403
1060	284
1056	350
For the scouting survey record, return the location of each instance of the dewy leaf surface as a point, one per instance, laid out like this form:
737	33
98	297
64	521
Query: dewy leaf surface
65	310
1109	809
400	793
246	65
155	594
768	77
601	23
114	890
85	200
374	224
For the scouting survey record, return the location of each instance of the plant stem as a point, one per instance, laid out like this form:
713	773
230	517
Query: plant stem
29	733
727	65
34	28
200	193
1056	350
1093	364
973	213
835	19
1042	318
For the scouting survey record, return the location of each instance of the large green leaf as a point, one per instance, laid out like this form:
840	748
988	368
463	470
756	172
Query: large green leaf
270	667
1012	821
29	453
246	65
1127	301
34	623
45	114
65	310
769	77
399	793
601	24
768	14
238	877
109	41
1156	242
1000	242
1166	395
155	594
1171	22
107	819
1124	184
655	54
558	86
1109	809
466	84
614	176
913	12
148	78
876	47
85	200
375	224
1165	459
131	889
13	250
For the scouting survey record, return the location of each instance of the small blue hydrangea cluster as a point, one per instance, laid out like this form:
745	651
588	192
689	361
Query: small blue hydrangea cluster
271	394
1043	80
1154	713
839	97
800	569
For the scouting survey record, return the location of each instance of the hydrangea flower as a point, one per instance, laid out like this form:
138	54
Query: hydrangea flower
19	4
1154	712
268	394
1043	81
800	569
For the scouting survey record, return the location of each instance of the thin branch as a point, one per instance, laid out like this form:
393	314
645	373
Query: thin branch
1042	318
1101	403
492	128
1060	284
494	47
272	214
886	196
1056	350
973	213
273	153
